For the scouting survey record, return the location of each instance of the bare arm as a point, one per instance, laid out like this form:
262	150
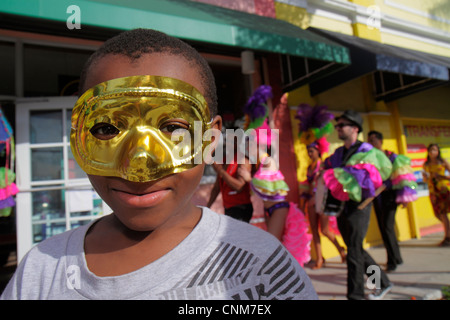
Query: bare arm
447	167
245	173
237	183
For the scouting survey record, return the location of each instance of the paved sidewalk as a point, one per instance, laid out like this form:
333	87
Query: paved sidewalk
425	270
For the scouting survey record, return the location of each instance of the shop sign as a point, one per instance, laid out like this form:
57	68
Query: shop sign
419	134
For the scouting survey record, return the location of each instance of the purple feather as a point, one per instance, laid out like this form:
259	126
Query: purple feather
256	106
312	117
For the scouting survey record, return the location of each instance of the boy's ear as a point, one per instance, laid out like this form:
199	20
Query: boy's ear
217	123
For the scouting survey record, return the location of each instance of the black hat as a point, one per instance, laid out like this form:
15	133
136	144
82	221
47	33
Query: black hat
354	117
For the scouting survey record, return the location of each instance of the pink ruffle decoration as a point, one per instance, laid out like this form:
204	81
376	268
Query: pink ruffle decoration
269	175
8	191
373	173
400	178
296	238
264	134
335	187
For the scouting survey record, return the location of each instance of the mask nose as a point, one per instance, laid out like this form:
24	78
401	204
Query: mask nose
147	149
146	152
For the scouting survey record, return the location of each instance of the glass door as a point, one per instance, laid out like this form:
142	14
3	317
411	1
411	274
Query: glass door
55	195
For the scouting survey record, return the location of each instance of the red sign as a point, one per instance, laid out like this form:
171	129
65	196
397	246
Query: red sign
416	163
416	148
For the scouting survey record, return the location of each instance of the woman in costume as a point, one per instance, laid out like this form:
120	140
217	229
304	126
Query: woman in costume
321	119
283	219
439	187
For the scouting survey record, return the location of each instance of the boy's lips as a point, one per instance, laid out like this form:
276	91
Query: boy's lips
141	199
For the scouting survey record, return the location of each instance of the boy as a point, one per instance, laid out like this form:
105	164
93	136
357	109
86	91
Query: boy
156	244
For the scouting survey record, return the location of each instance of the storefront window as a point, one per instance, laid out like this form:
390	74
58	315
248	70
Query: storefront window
75	172
47	164
47	214
45	126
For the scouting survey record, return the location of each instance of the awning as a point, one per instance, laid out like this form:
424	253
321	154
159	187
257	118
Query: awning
397	71
190	21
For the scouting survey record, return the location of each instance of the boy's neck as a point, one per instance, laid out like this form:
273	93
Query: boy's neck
112	249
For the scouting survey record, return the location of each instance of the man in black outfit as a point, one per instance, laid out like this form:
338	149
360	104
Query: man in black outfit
354	222
385	208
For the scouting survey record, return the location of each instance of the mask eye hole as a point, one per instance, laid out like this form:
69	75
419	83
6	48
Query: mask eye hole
104	131
170	126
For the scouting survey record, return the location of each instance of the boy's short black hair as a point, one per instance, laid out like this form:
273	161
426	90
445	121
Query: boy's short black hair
136	42
377	134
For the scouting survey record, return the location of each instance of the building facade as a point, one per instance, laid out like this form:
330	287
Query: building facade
394	47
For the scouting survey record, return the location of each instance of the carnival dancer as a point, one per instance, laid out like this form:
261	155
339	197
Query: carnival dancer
439	188
283	219
354	174
314	126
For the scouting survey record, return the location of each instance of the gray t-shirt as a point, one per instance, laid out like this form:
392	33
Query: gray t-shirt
221	259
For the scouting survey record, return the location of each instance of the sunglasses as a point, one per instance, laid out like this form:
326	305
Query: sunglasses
341	125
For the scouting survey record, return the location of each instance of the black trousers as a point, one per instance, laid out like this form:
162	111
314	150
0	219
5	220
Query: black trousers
385	209
353	224
243	212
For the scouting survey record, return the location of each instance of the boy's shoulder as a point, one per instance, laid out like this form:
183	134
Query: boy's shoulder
41	265
57	246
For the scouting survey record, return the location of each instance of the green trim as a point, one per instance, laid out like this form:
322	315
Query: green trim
190	21
278	185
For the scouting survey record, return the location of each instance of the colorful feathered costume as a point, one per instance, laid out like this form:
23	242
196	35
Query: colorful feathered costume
270	186
362	174
314	127
402	178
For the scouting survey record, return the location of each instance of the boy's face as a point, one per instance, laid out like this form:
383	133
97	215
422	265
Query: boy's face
144	206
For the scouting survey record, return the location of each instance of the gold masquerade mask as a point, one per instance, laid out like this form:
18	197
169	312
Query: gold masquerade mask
139	128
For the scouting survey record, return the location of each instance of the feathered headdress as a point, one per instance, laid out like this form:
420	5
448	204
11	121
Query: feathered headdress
315	124
256	114
256	109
